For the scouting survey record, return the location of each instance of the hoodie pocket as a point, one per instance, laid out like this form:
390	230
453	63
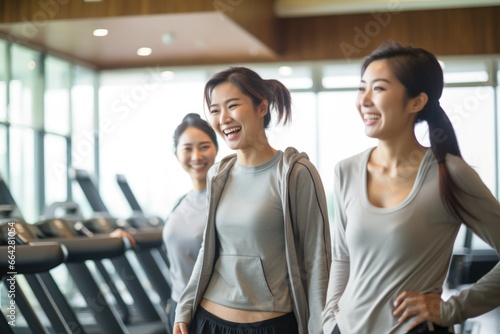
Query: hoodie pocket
240	282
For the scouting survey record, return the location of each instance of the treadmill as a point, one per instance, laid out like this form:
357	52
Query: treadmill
60	314
147	252
140	219
29	260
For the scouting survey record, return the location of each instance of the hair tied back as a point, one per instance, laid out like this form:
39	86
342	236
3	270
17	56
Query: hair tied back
191	116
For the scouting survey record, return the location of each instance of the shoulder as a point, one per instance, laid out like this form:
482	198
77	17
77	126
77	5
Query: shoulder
352	163
297	161
177	202
301	174
461	172
221	166
457	165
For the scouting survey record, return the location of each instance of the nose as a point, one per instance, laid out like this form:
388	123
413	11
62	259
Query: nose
225	117
196	154
365	97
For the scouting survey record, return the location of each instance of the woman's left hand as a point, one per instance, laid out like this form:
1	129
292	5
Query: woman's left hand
119	233
421	306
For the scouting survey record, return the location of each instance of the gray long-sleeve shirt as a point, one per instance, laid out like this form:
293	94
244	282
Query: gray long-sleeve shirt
182	236
380	252
251	272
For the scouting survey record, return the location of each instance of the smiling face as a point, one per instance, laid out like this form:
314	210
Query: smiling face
235	118
382	103
196	153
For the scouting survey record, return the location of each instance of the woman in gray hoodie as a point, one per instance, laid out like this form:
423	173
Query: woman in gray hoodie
265	259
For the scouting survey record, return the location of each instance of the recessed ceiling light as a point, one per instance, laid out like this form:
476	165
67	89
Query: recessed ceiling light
100	32
285	70
144	51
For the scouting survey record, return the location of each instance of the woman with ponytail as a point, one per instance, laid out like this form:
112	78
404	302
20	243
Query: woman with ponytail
399	206
265	259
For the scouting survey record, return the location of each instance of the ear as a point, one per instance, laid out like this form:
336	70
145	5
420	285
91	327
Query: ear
418	103
263	108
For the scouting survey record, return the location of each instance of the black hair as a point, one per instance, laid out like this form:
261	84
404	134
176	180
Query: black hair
251	84
195	121
419	71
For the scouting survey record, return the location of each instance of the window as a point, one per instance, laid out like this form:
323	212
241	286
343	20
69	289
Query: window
24	114
293	76
3	80
56	108
139	111
300	133
3	153
341	76
56	175
460	71
22	171
341	134
83	117
24	87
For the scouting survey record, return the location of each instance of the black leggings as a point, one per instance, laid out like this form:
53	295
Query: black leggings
420	329
207	323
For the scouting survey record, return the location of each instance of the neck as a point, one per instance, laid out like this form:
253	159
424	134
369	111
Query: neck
199	185
255	156
393	154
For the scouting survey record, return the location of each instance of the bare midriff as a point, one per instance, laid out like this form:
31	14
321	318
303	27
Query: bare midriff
236	315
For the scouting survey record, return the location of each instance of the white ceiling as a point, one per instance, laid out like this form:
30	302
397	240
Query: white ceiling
195	36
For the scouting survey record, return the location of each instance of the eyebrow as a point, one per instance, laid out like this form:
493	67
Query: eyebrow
200	143
376	80
226	102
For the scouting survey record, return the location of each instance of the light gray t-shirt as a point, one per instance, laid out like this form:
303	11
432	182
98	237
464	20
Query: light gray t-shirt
251	271
380	252
182	235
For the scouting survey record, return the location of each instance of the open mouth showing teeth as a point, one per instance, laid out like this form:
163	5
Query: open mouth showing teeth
198	166
233	130
370	117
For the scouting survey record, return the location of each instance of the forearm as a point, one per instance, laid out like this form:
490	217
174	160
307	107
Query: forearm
480	298
339	276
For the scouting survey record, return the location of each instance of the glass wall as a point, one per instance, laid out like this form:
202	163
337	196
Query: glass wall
53	116
325	122
4	172
139	111
56	128
3	80
83	134
38	93
24	115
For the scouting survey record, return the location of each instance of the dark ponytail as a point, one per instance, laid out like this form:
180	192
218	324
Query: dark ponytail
195	121
419	71
258	89
443	141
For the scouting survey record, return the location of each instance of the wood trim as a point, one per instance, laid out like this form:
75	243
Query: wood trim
469	31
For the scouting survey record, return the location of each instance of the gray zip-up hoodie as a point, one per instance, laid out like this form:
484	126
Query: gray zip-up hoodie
307	240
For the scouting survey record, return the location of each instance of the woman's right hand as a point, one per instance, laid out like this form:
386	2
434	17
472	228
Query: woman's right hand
180	328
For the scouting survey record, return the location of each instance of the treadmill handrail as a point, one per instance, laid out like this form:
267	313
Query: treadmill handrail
31	259
83	248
